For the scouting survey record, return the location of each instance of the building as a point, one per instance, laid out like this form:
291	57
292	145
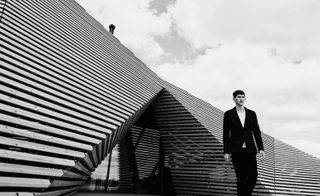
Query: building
70	92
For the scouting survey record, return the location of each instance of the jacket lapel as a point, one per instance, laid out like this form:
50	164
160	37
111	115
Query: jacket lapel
236	118
246	117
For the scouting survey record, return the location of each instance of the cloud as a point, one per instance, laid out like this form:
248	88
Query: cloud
268	48
136	25
284	95
291	26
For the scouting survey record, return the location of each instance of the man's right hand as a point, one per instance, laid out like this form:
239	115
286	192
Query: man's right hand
227	157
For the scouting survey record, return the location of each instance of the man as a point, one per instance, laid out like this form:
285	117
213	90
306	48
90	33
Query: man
242	141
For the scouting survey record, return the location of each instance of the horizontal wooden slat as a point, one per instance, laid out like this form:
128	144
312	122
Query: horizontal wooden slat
39	147
23	182
25	169
21	156
33	134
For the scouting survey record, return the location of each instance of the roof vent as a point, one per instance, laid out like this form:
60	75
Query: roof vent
111	28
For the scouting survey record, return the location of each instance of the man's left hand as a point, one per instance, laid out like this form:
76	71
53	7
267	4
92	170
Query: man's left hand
262	155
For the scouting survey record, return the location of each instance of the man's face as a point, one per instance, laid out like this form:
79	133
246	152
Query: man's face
239	100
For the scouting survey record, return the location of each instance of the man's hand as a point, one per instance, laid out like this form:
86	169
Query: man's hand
227	157
262	155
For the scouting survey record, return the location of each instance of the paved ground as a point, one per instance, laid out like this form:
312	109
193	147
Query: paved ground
110	194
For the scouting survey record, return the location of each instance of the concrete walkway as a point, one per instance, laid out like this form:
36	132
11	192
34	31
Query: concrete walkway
110	194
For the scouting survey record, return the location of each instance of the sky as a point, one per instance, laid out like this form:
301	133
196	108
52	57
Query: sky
270	49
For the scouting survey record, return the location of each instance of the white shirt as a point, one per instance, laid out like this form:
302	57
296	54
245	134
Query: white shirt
242	116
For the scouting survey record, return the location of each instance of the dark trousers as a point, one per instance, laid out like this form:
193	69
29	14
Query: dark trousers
245	165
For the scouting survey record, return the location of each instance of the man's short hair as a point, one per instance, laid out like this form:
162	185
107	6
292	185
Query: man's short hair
238	92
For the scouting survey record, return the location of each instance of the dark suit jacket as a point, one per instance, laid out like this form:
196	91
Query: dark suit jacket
234	134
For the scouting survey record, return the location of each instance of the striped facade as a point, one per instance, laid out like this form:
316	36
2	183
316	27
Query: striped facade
70	92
